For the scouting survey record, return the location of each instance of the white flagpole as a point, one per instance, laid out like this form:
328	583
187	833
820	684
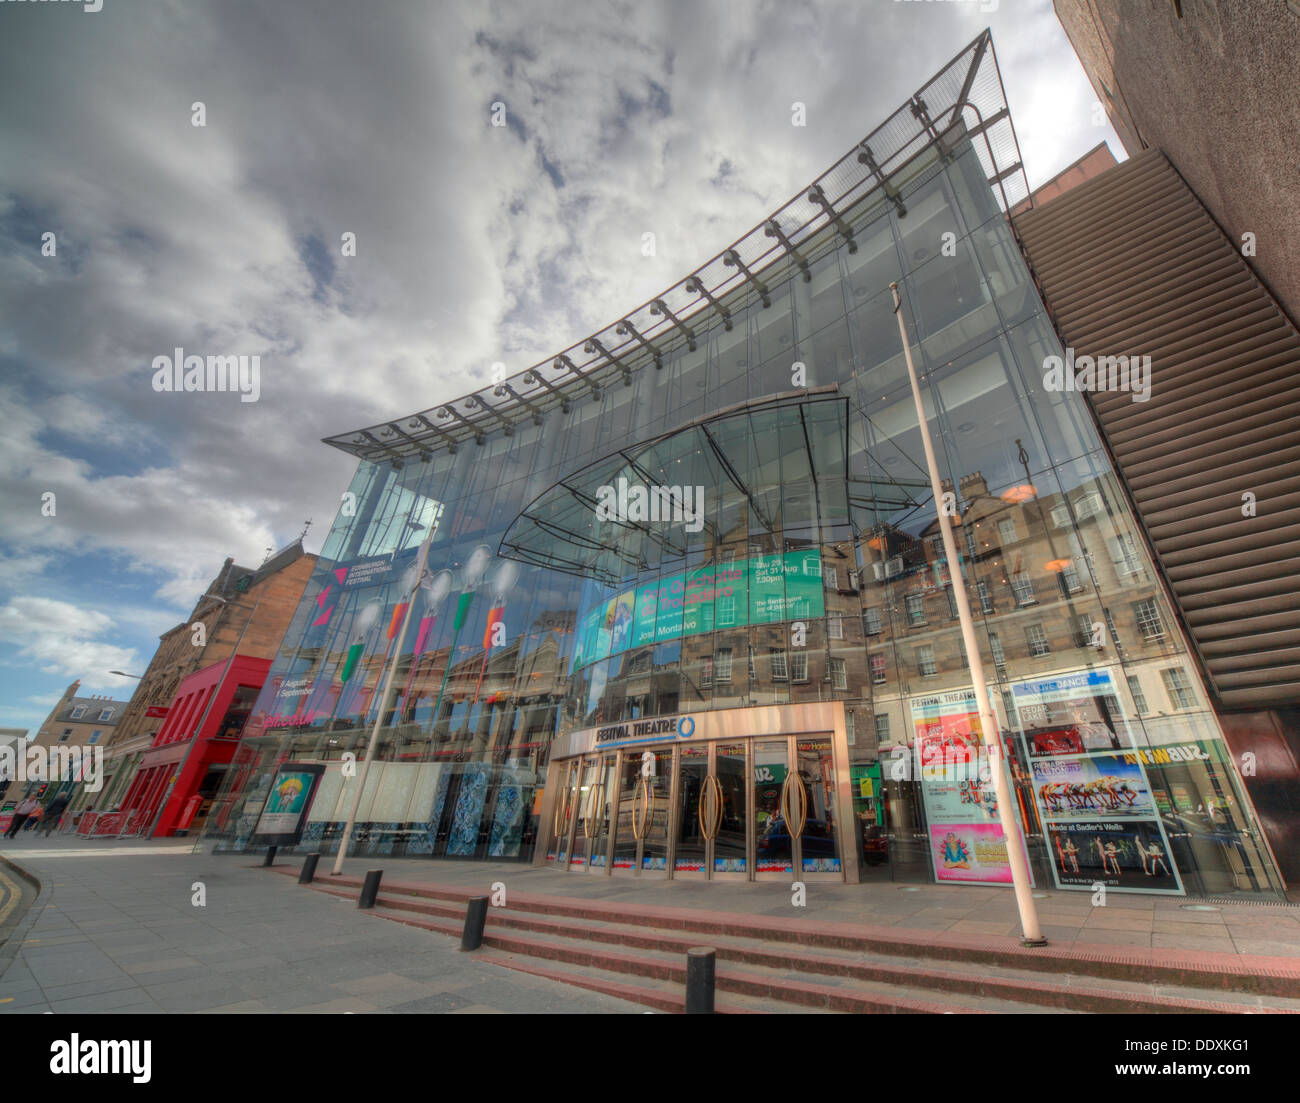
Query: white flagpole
1032	932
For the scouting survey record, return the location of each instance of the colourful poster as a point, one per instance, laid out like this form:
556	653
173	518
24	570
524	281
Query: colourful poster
970	853
958	791
287	804
1125	857
1092	787
1071	714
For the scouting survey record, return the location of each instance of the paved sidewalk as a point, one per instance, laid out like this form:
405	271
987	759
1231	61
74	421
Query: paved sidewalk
114	930
1155	922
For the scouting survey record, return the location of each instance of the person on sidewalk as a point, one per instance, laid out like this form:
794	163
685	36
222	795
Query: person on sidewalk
53	813
22	814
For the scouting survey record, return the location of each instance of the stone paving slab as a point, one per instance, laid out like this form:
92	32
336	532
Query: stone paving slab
114	931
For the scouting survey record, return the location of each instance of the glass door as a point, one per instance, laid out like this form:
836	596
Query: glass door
586	814
654	809
696	812
731	838
599	817
812	793
774	847
627	832
563	820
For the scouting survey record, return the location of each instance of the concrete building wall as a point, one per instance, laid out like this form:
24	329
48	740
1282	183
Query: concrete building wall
1216	86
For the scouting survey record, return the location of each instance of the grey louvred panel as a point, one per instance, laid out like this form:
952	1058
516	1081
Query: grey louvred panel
1130	263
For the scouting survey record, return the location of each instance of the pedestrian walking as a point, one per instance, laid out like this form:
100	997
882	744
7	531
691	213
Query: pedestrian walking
53	813
22	814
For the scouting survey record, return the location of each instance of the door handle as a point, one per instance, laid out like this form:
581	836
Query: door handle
710	807
589	824
794	804
641	816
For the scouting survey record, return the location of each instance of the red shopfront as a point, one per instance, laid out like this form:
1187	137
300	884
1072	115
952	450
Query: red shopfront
195	743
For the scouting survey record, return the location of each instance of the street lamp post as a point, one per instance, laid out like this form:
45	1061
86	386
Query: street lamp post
1030	929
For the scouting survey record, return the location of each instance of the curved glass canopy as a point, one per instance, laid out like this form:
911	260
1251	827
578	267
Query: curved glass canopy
722	479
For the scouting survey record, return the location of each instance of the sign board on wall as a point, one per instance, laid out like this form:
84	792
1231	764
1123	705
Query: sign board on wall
284	815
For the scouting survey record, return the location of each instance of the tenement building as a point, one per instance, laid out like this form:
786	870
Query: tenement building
687	611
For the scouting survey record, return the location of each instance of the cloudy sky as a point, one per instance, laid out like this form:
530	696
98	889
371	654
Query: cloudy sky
474	243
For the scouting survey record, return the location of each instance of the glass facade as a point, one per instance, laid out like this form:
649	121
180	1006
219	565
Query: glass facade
743	535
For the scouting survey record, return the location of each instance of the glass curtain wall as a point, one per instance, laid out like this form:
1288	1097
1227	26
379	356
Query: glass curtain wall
818	523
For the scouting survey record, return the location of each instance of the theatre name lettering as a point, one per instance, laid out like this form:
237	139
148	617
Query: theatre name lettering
639	730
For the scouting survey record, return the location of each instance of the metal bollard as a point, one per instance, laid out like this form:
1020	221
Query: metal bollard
308	873
270	855
370	889
475	918
701	976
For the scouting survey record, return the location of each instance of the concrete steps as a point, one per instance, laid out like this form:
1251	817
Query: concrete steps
767	964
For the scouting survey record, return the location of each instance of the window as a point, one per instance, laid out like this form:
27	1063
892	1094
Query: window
854	580
776	655
753	673
67	732
1037	640
1110	627
915	609
722	668
1179	688
1069	580
831	578
999	656
871	622
95	736
727	610
1124	552
799	666
1148	618
706	672
882	726
1089	505
986	602
107	714
952	603
839	679
888	569
835	626
801	608
850	734
1139	698
1007	530
1023	588
812	567
1061	517
1083	630
925	661
877	670
78	712
706	617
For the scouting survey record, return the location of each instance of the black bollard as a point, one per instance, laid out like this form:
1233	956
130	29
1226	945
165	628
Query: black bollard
308	873
270	855
370	889
701	975
475	917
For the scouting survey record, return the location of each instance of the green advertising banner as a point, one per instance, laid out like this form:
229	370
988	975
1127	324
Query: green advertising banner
764	590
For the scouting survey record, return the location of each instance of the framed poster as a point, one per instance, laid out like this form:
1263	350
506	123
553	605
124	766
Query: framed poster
284	815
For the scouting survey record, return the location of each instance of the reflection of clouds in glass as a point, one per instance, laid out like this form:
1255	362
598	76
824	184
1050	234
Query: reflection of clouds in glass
436	587
504	575
367	618
474	567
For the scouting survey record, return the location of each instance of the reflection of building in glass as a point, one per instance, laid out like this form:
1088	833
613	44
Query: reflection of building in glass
749	696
